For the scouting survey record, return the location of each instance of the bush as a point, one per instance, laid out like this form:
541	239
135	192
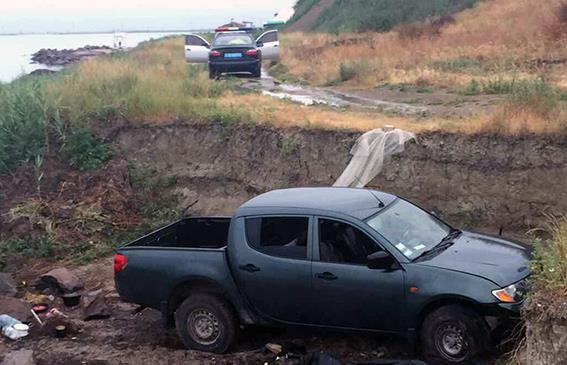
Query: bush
29	247
85	151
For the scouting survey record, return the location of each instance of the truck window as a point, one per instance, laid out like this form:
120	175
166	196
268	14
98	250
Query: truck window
342	243
279	236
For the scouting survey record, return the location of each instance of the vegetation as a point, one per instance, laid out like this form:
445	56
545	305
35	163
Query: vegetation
377	15
549	264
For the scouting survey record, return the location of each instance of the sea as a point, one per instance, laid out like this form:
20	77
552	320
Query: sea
16	50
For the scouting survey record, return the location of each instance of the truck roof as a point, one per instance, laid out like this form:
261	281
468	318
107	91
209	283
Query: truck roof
359	203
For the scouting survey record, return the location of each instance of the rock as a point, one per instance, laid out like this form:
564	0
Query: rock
8	286
94	306
61	280
20	357
15	308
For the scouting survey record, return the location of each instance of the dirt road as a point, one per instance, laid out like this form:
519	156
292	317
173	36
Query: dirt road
402	100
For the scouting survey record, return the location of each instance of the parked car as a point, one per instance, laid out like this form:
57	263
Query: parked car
233	51
328	257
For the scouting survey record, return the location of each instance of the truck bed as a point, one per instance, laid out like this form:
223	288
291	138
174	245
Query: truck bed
157	262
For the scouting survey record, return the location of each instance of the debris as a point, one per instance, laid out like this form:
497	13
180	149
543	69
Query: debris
274	348
60	280
369	153
36	317
8	285
60	331
14	307
12	328
94	305
20	357
72	299
54	319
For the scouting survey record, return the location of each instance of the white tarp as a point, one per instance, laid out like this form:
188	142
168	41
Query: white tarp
368	154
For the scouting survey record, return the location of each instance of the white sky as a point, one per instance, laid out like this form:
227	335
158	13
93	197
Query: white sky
95	15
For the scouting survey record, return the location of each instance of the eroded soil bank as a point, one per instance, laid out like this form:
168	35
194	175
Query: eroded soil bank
477	181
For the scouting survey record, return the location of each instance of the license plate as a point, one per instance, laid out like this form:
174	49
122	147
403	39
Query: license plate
233	55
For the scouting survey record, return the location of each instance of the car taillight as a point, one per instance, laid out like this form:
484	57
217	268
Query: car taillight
215	54
251	53
120	262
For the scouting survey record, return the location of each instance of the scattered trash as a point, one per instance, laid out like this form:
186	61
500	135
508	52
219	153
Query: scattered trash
274	348
94	306
60	331
36	317
8	286
20	357
60	281
368	154
71	299
40	308
54	312
13	328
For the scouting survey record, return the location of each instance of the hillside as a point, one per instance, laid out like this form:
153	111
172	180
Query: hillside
368	15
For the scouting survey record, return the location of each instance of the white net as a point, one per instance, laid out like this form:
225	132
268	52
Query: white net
369	153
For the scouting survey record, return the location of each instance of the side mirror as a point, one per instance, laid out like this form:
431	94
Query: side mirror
259	44
379	260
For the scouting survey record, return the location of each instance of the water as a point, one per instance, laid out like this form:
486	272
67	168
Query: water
16	50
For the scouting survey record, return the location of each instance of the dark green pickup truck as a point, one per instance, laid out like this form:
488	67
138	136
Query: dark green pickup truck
329	257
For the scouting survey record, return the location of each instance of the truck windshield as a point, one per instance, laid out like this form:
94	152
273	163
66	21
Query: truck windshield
409	228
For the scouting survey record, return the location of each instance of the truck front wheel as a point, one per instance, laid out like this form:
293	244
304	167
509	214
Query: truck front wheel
206	323
453	334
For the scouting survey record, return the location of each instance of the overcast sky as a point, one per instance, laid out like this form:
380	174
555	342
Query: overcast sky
102	15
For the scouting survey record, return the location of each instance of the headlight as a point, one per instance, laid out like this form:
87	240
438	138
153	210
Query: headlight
514	293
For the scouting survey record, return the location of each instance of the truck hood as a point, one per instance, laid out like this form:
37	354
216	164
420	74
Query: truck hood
501	261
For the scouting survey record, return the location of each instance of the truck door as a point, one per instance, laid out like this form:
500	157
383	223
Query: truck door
196	49
268	43
346	293
270	257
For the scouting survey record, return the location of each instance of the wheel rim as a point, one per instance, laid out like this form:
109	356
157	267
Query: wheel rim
451	341
204	326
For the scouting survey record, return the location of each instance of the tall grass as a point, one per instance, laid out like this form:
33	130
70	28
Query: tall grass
482	34
152	82
549	265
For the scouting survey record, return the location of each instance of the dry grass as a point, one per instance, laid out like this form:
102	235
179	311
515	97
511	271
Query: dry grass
506	36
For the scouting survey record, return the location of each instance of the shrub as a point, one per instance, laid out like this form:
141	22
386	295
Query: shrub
85	151
346	72
29	247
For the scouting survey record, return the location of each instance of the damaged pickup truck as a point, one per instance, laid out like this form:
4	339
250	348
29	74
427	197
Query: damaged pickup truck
339	258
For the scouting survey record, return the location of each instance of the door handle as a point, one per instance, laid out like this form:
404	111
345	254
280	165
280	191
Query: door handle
326	276
249	268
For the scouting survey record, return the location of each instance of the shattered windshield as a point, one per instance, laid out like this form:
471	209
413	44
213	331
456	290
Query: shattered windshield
409	228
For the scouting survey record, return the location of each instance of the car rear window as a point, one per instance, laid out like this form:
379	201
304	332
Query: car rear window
233	40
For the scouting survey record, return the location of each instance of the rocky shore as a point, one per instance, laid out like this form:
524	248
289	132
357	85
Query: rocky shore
63	57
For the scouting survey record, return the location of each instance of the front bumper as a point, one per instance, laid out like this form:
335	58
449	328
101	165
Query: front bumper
234	66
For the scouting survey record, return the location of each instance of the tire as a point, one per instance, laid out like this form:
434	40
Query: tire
212	74
454	334
206	323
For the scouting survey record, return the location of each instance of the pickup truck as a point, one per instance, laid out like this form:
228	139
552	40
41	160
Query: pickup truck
340	258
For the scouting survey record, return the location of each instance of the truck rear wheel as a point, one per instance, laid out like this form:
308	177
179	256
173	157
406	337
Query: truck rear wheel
206	323
453	334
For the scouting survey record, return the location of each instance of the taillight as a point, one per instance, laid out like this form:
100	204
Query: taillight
120	262
251	53
215	54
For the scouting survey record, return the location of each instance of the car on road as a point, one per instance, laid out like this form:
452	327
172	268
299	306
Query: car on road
233	51
339	258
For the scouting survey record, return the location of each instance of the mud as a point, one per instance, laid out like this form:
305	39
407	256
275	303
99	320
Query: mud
476	181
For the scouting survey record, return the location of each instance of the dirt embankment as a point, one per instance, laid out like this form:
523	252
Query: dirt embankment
475	181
